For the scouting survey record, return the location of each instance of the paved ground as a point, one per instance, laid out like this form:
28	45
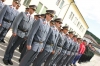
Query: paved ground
94	62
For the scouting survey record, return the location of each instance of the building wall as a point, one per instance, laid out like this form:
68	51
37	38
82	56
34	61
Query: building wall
75	21
60	12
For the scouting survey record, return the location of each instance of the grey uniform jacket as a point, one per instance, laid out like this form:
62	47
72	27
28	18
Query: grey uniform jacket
66	45
7	15
38	34
70	47
22	24
74	48
77	48
1	5
51	41
61	40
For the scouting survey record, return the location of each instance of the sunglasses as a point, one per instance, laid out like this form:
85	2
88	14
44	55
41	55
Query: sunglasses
59	22
51	16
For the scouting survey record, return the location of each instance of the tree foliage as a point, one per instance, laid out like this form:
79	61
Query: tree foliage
95	37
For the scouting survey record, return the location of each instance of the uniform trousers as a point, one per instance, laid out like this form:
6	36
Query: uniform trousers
58	58
24	50
3	32
14	42
41	58
65	61
68	60
71	59
28	58
47	63
53	56
21	47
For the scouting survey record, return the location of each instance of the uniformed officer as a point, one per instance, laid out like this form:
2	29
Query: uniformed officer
1	4
68	54
73	51
36	38
7	15
21	28
50	44
60	43
21	47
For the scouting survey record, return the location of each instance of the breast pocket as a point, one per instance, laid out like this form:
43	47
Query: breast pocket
41	30
26	24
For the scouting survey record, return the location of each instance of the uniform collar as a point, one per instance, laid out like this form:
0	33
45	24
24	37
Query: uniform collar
13	7
28	14
63	34
46	22
69	37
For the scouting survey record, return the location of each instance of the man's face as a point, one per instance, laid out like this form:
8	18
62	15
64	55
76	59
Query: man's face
71	35
58	24
49	16
85	42
17	7
65	31
75	38
80	41
15	4
31	11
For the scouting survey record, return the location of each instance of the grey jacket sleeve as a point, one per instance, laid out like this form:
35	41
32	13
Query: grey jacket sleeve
2	13
33	31
17	21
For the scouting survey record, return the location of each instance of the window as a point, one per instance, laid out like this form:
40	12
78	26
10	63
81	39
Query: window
71	16
78	24
61	4
70	29
83	30
44	10
75	21
26	3
58	1
39	7
81	27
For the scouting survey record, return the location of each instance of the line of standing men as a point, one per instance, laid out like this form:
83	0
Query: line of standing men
45	41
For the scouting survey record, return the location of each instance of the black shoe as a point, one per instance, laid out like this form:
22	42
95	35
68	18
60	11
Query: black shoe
10	62
5	62
3	41
19	60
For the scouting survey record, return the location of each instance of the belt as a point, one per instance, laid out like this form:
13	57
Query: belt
22	29
40	42
6	20
50	44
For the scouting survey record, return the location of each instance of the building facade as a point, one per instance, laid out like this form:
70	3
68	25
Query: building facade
65	9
